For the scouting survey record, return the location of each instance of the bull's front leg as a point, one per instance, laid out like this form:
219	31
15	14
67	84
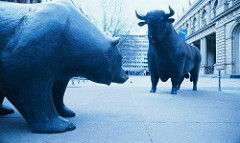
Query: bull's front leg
175	84
58	91
154	80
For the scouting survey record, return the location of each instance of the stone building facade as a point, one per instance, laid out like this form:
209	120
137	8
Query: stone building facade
214	27
134	52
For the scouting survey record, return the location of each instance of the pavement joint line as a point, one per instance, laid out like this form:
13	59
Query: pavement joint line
114	106
148	132
111	121
195	122
143	121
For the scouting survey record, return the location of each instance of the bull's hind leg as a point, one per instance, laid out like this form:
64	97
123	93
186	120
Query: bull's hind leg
34	102
4	110
185	76
175	83
58	90
194	77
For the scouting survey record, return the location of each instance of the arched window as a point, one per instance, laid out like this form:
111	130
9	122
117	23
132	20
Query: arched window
204	18
215	8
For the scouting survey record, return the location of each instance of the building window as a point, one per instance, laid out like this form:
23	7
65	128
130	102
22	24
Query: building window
194	24
215	8
187	29
204	18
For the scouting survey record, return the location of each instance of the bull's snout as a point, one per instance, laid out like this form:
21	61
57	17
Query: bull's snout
121	78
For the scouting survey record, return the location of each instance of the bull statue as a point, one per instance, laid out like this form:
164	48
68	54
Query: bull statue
168	55
42	46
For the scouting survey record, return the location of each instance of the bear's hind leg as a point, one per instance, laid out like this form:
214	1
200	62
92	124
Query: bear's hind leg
35	103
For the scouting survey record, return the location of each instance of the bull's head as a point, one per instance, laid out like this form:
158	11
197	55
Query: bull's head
158	22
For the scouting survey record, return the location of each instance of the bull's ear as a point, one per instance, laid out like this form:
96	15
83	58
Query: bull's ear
115	41
141	24
170	20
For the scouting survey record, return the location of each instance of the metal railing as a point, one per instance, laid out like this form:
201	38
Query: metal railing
79	80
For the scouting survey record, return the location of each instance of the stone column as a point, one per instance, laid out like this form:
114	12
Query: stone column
203	49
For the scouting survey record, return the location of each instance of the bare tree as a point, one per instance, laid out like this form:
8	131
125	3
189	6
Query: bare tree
112	20
127	47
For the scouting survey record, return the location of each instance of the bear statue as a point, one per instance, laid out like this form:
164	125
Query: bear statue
41	47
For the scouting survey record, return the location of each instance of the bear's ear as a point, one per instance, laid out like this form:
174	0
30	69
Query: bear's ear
115	41
141	24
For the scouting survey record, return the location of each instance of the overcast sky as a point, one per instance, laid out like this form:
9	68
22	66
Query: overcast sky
93	7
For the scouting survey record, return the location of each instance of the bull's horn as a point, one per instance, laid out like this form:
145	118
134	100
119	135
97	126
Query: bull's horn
141	17
115	41
171	13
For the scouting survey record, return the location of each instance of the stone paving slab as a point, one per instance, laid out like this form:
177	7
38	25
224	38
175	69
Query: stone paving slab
128	113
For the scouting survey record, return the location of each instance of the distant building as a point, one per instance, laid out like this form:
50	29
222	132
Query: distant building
214	27
134	52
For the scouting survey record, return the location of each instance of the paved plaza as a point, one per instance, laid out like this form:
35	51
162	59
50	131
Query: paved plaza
128	113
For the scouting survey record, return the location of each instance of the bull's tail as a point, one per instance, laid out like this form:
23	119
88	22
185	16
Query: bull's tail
186	76
191	79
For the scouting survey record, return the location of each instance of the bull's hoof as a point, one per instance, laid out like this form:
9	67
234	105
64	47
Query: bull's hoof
194	88
187	76
174	92
4	110
65	112
178	87
56	125
153	91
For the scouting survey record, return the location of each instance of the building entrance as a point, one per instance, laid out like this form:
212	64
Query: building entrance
211	53
236	50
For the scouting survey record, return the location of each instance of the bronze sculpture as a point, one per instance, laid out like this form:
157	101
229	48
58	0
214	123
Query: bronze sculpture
42	47
168	55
